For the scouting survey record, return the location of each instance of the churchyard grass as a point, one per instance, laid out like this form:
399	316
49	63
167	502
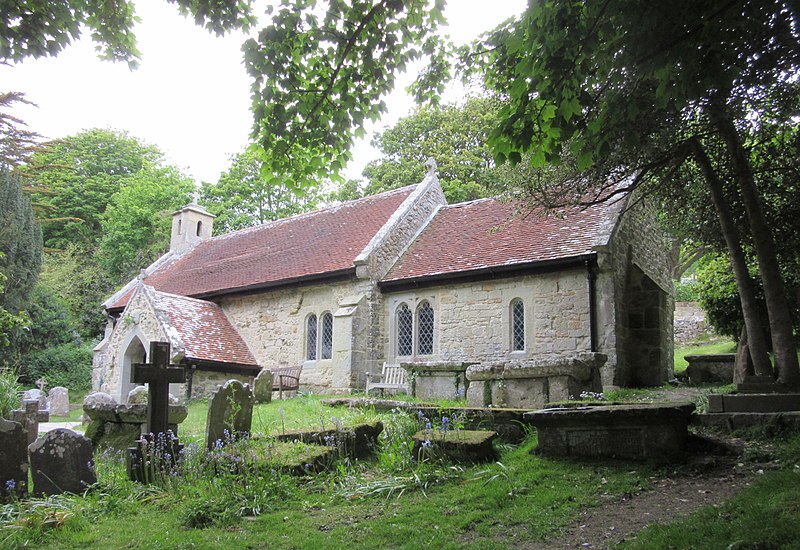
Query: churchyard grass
763	516
700	348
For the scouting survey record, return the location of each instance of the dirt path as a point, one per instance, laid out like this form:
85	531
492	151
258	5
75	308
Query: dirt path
668	499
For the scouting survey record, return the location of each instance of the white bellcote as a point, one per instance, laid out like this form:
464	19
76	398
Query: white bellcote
190	225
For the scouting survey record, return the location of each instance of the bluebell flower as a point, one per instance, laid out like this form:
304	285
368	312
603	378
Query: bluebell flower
11	485
426	444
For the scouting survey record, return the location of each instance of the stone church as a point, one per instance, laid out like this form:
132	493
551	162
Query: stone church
519	307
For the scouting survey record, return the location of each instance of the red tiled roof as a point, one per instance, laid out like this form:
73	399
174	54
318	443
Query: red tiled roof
488	233
315	243
205	331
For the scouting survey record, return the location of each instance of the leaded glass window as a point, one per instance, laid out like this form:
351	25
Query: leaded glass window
425	329
311	338
327	336
405	331
517	326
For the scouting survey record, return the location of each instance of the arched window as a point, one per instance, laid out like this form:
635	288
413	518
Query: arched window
199	227
327	336
311	337
517	325
405	331
425	329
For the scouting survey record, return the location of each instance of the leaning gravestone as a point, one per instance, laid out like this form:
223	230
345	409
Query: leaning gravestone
262	387
61	462
59	401
230	413
28	418
13	460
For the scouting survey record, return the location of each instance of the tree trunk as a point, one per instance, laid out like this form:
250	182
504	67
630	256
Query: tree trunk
747	295
780	319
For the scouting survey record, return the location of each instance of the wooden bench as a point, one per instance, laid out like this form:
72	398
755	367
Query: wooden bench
286	378
392	377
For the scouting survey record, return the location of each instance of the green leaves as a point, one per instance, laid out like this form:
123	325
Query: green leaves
320	70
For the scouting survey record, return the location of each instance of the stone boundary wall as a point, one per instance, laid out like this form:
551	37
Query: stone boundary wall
689	322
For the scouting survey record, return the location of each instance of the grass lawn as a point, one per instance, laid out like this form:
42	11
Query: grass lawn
711	347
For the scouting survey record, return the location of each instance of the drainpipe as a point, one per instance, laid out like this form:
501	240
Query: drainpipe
591	277
190	369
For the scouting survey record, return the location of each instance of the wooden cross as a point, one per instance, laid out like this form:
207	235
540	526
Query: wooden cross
158	375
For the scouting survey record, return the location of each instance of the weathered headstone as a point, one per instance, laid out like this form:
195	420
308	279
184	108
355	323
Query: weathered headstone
262	387
230	413
59	401
28	418
38	395
13	460
137	396
61	462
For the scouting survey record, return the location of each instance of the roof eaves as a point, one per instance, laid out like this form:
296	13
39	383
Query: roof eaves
487	273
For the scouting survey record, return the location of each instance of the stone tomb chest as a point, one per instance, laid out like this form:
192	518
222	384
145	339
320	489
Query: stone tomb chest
533	383
655	433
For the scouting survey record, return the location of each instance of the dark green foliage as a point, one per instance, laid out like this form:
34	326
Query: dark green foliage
20	243
67	365
40	29
137	221
320	72
75	178
719	297
50	324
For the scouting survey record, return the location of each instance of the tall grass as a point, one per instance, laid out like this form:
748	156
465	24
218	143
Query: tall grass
9	392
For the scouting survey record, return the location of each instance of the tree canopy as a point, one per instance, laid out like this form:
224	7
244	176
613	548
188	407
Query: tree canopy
74	179
244	196
41	29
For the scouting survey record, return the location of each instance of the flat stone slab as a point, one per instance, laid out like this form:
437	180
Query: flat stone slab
739	420
653	433
357	441
754	402
456	445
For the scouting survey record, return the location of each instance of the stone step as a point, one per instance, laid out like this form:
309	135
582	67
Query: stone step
754	402
759	384
739	420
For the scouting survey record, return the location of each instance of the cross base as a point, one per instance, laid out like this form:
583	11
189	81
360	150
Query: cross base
154	457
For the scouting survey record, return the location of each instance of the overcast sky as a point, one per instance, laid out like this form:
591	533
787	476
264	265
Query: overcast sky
191	95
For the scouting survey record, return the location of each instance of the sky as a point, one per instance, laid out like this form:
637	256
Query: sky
190	96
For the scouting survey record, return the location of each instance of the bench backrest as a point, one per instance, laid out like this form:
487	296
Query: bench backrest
289	377
393	374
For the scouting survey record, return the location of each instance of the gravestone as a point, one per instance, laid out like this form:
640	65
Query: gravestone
13	460
158	450
38	395
158	375
230	413
28	418
137	396
262	387
59	401
61	462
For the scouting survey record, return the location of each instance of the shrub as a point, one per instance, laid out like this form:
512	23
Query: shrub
9	392
65	365
686	292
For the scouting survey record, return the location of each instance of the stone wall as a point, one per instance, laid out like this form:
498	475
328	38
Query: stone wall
274	326
689	322
472	321
204	383
384	250
633	281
